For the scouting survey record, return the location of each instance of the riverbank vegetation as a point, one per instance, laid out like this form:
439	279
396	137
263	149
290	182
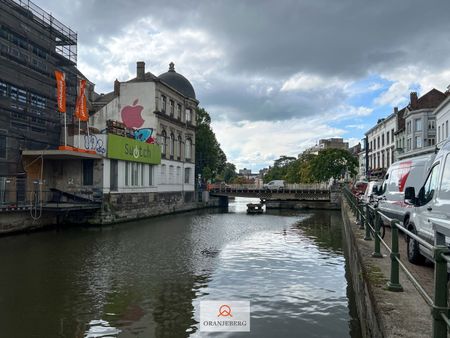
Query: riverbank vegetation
211	161
311	168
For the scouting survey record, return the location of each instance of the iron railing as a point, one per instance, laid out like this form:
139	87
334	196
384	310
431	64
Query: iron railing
369	219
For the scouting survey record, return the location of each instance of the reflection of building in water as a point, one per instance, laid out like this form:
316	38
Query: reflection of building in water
324	228
173	311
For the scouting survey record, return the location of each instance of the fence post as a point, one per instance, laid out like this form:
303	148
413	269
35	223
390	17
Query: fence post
394	283
440	292
377	253
367	224
362	218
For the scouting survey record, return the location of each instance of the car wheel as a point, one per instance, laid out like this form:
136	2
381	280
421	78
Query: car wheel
412	248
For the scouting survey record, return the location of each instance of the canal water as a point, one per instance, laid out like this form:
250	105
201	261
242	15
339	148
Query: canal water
147	278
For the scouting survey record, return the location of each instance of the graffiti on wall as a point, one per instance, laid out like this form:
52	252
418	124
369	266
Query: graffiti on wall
144	135
132	115
92	142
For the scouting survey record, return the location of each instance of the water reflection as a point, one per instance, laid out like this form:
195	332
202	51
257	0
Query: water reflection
146	278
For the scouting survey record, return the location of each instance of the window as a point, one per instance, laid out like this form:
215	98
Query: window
408	144
378	142
417	142
13	93
22	96
3	89
178	111
187	174
431	124
418	125
188	147
180	146
382	140
171	174
163	142
444	192
150	175
387	138
135	174
430	185
439	134
163	174
113	175
178	175
392	135
142	171
172	107
446	129
370	147
431	141
164	104
172	145
408	127
127	173
2	146
188	115
88	172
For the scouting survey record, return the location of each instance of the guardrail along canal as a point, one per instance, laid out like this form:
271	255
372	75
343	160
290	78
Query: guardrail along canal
146	278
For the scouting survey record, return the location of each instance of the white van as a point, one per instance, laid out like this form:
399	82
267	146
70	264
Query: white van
274	185
432	203
371	193
405	173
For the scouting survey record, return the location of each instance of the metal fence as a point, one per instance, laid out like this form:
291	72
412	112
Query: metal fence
370	220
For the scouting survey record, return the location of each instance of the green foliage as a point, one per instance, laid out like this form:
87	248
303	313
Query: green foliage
333	163
311	168
229	172
210	158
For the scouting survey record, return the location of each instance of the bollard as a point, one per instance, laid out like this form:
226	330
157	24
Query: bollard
377	253
440	292
367	224
394	283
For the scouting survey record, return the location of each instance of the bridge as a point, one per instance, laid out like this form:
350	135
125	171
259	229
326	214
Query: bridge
291	196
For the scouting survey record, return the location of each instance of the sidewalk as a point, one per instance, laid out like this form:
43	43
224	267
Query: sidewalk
384	313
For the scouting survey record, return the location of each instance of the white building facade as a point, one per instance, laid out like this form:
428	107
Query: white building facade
442	115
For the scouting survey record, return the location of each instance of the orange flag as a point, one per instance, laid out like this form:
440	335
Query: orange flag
81	109
61	90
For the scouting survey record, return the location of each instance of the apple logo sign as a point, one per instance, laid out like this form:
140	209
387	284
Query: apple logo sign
131	115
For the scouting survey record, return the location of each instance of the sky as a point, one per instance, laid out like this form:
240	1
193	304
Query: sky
275	76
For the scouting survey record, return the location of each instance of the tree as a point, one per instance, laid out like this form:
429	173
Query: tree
229	172
279	169
333	163
210	158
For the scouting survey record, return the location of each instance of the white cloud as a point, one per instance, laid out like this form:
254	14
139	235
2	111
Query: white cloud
305	82
256	144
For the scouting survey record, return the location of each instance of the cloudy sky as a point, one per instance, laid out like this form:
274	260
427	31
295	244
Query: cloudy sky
275	75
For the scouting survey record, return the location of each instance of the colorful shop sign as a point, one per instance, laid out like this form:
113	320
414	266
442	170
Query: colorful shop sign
127	149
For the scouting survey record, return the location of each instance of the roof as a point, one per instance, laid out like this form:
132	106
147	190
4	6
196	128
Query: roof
178	82
432	99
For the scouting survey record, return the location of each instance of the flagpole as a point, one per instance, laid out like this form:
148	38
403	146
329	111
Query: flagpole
79	134
65	129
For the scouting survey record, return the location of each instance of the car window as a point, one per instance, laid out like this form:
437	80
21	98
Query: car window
444	192
431	184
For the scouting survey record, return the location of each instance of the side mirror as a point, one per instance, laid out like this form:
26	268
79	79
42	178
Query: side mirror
375	191
410	195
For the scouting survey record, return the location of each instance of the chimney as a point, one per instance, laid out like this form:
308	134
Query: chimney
413	100
140	70
117	87
395	110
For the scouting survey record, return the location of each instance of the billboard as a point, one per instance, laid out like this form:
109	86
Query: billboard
127	149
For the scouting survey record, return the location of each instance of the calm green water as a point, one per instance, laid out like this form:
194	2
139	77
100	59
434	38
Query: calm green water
146	278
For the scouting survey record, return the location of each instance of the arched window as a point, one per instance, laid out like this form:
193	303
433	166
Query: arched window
180	146
188	149
163	142
172	145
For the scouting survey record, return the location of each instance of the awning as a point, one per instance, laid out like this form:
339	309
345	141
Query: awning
60	154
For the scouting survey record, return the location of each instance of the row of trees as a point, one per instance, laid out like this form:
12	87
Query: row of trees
310	168
211	162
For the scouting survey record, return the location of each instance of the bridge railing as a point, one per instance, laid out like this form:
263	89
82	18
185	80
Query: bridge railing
296	186
370	220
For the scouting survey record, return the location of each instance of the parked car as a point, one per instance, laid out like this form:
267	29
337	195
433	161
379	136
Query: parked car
274	185
371	193
405	173
359	187
432	203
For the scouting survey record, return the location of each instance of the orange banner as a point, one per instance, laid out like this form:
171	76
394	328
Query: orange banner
61	90
81	108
